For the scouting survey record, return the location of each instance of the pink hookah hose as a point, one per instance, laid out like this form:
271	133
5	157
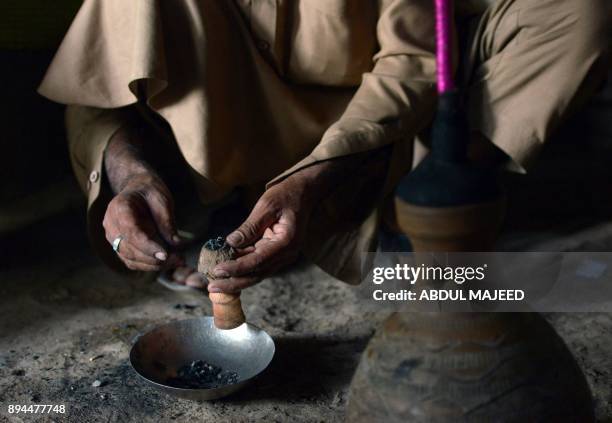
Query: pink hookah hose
443	46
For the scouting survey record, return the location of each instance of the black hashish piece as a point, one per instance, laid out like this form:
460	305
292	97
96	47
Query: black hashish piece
216	244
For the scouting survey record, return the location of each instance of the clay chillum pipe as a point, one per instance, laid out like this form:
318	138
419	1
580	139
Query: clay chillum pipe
227	308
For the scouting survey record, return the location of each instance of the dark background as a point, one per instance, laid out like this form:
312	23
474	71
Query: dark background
35	174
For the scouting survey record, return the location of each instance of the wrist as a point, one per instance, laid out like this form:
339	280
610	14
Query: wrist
124	163
320	179
315	182
140	181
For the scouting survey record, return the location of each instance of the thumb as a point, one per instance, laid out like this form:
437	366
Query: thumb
162	211
253	227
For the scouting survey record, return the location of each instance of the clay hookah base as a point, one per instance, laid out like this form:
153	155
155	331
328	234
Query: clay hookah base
468	367
450	367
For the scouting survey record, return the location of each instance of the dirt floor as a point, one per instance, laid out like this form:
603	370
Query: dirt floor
66	321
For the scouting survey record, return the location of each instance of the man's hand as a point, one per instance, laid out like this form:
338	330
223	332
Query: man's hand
271	236
142	214
142	211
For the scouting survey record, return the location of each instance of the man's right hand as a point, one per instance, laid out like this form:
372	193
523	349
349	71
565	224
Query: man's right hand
142	213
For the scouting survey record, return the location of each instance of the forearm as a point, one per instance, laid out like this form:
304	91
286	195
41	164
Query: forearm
320	179
125	159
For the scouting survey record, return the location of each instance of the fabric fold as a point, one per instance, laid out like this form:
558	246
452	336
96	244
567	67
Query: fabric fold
110	46
202	67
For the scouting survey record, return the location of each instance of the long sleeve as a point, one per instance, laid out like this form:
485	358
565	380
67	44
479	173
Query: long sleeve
392	104
396	98
89	130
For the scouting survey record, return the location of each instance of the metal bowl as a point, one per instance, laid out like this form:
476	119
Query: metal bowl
157	355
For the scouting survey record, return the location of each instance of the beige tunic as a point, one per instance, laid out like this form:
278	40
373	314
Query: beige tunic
256	89
253	90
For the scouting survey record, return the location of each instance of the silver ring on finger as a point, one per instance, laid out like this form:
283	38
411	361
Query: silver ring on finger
117	243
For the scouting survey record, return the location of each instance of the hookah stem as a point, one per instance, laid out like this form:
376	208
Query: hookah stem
450	131
443	46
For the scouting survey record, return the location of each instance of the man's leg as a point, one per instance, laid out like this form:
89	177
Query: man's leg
531	63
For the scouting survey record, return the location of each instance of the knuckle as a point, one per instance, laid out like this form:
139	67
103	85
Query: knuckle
144	240
124	208
119	202
158	199
248	229
126	254
139	240
267	203
256	262
132	234
135	235
233	285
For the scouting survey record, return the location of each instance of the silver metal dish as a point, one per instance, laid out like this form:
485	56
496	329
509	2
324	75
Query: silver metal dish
157	355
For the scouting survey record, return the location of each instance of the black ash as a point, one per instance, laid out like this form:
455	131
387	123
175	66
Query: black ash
202	375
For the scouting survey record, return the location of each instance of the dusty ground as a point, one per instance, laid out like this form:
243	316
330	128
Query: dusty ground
66	321
61	308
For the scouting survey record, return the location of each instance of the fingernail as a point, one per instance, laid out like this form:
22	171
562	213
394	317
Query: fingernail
161	256
220	273
214	289
195	280
235	238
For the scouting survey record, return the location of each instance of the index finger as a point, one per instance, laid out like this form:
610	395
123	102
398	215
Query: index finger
137	233
256	261
144	243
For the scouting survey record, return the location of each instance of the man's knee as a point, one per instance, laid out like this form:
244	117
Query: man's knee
585	22
575	32
593	27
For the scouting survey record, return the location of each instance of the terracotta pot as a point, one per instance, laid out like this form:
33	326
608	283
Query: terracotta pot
489	367
451	367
